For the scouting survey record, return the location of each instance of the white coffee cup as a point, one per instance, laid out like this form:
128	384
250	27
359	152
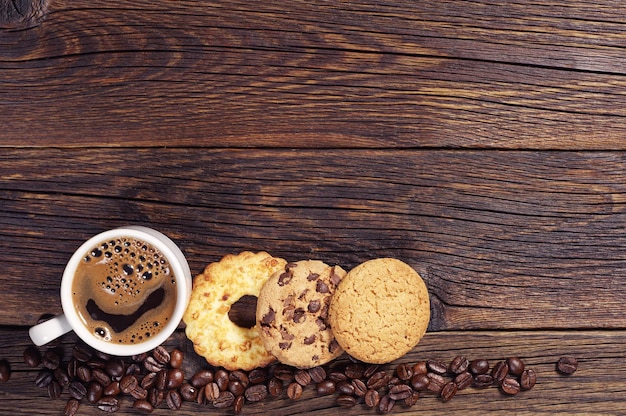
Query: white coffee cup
70	320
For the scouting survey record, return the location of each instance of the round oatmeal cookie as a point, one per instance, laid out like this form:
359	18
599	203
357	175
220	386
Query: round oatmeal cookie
215	337
292	312
380	310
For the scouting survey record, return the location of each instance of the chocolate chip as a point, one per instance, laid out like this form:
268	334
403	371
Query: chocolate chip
269	317
285	278
312	276
309	340
314	306
322	287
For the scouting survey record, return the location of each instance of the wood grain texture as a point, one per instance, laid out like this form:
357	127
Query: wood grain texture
518	74
497	235
582	393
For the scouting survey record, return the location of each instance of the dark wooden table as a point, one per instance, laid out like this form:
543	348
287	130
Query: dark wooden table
481	142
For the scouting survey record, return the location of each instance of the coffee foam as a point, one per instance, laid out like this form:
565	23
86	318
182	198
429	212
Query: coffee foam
118	276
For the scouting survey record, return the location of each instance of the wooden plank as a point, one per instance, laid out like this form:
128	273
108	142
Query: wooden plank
530	75
585	392
504	239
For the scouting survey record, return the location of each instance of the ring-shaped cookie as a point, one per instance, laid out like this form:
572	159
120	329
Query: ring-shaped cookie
215	337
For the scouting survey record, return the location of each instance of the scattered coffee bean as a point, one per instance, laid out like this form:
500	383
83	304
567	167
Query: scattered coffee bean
152	365
516	366
303	377
44	378
82	352
188	392
238	404
325	387
420	382
139	393
318	374
95	391
372	398
437	367
71	407
211	391
113	389
482	381
128	383
479	366
294	391
360	388
257	376
377	380
510	386
222	379
500	371
448	391
176	358
404	371
161	355
50	359
175	378
54	389
108	404
84	374
60	374
115	367
275	387
202	378
346	400
458	365
386	404
420	368
32	356
174	401
256	393
412	399
567	365
463	380
400	392
143	406
528	379
77	390
345	387
236	387
226	399
435	382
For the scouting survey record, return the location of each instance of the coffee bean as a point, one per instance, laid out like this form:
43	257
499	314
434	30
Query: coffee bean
156	397
412	399
567	365
283	372
128	383
71	407
60	374
139	393
101	376
235	387
50	359
238	405
294	391
479	366
132	369
256	393
143	406
83	373
161	355
482	381
95	391
175	377
400	392
338	376
115	367
303	377
176	358
372	398
510	386
458	365
463	380
72	368
448	391
188	392
500	371
44	377
386	404
516	366
275	387
325	387
77	390
258	376
222	379
345	387
240	376
528	379
108	404
378	380
202	378
225	399
437	367
82	352
148	381
174	401
420	368
96	362
152	365
404	371
54	389
200	397
318	374
32	356
113	389
420	381
435	382
139	358
161	380
370	370
360	388
345	400
211	391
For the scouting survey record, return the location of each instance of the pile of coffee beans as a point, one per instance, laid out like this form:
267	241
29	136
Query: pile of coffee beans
157	379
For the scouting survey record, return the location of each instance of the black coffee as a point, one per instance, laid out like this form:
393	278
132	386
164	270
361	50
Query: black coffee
124	290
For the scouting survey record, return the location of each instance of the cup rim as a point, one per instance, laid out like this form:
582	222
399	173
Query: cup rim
182	274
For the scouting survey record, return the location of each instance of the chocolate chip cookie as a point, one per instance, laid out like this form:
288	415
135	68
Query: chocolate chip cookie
380	310
292	313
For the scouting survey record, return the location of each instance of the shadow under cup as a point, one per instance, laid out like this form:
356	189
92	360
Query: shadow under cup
124	291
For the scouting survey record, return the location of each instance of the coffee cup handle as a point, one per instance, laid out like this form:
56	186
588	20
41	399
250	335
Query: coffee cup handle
49	330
